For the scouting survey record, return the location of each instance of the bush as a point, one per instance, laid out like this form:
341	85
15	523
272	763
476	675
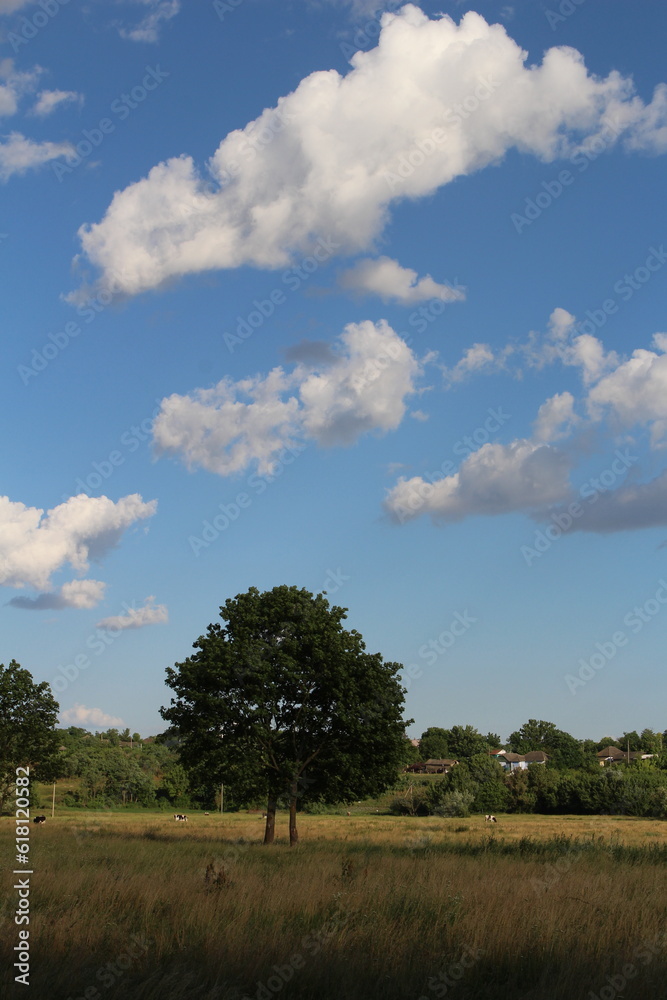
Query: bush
413	803
454	804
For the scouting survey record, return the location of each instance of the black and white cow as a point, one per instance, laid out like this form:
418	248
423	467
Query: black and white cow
180	817
39	819
490	819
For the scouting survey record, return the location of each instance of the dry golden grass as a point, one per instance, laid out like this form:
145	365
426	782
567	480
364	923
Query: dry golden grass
366	907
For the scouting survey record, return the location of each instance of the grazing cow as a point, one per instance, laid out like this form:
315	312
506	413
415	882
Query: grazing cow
180	817
39	819
490	819
205	814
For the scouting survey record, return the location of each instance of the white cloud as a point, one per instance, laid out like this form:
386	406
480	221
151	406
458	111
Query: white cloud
18	154
34	545
385	277
563	342
75	594
497	479
149	614
327	162
14	85
236	424
478	359
49	100
82	716
636	392
148	29
555	418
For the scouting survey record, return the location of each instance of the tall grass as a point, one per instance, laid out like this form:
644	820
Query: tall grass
364	908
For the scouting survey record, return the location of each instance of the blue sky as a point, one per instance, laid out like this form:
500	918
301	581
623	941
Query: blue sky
357	299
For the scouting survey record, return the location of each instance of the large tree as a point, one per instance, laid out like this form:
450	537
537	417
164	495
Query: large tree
282	699
464	741
28	716
562	748
434	744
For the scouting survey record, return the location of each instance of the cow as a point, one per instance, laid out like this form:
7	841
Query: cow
180	817
39	819
490	819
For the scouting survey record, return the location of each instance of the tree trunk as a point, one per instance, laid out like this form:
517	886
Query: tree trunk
270	829
293	832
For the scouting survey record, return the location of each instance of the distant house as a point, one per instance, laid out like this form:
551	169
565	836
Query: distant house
513	761
610	755
498	753
439	765
536	757
432	766
415	743
417	768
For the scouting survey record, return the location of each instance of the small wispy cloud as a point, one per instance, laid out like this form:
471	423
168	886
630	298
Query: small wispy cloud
148	29
49	100
149	614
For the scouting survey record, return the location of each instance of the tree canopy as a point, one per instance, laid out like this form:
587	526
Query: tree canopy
28	715
282	698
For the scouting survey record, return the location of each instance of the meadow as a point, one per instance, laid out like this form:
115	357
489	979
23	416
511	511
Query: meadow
134	905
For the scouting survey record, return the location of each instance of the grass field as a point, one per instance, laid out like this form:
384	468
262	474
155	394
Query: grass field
134	905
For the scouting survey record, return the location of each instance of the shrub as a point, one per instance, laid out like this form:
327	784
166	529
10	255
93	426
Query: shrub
454	804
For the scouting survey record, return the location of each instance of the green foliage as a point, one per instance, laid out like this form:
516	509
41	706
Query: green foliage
434	745
455	803
281	698
464	741
28	716
631	741
650	742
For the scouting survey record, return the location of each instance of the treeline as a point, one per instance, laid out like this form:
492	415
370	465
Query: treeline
480	785
563	750
112	768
